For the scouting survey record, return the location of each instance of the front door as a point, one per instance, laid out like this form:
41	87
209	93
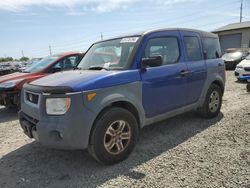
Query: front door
164	87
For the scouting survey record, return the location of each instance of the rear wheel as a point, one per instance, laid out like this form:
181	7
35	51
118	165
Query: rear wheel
248	87
212	104
114	136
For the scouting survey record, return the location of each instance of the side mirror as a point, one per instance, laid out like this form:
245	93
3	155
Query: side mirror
152	61
55	69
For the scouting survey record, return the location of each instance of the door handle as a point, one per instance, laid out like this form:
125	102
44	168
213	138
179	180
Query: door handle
184	73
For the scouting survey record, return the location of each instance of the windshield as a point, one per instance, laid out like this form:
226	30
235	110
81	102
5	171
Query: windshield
112	54
233	55
38	66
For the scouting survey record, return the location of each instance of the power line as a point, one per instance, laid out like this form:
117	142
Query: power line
164	20
194	16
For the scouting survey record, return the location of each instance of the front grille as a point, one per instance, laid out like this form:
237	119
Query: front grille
247	68
32	98
28	118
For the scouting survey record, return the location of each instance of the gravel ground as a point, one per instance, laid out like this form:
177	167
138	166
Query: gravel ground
184	151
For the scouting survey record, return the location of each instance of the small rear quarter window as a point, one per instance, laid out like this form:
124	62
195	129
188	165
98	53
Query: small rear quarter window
212	48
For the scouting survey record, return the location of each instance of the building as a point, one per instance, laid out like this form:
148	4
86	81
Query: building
236	35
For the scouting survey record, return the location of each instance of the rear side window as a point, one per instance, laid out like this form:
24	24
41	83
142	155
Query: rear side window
167	47
193	48
212	48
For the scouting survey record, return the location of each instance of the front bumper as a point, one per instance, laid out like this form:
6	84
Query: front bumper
241	72
70	131
9	97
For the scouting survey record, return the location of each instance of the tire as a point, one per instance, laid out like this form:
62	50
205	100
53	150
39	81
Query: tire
248	87
106	148
212	104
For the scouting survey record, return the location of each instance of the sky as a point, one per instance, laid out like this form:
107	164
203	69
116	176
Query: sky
31	26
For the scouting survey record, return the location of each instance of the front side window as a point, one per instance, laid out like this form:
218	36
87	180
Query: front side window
68	62
193	49
212	48
112	54
166	47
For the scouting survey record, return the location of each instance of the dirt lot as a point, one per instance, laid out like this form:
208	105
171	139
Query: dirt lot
185	151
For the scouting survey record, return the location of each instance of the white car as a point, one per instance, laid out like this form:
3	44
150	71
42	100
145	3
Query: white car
243	68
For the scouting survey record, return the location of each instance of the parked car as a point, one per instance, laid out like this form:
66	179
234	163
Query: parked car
234	56
243	69
101	106
11	84
6	68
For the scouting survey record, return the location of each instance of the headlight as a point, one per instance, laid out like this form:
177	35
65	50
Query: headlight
239	67
10	84
7	85
57	106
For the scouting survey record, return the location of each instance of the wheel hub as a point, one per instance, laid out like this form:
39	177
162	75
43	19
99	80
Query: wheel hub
117	137
214	101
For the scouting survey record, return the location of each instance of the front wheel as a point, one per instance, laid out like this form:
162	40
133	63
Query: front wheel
212	104
114	136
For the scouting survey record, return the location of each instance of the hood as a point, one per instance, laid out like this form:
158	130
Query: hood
13	76
245	63
80	80
235	56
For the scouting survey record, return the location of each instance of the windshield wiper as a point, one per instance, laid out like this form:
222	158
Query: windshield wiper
24	71
97	68
77	68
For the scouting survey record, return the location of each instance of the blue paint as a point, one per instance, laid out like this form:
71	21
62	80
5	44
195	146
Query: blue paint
80	80
164	88
197	69
244	78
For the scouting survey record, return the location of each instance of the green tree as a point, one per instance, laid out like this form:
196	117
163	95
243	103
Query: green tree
24	59
5	59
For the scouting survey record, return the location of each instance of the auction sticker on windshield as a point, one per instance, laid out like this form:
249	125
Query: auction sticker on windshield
129	40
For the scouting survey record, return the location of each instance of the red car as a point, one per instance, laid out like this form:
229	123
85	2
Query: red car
11	84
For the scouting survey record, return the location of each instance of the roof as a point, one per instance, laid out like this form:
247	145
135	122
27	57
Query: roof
201	33
67	53
233	26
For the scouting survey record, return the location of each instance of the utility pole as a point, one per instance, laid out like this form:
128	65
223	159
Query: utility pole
241	5
101	36
50	52
22	54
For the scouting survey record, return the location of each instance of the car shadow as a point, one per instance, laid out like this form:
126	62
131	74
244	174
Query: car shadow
241	82
35	165
8	114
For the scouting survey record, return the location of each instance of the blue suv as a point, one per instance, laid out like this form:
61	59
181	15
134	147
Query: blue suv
120	86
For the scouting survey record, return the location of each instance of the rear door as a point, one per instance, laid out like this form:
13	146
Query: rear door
164	87
196	65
